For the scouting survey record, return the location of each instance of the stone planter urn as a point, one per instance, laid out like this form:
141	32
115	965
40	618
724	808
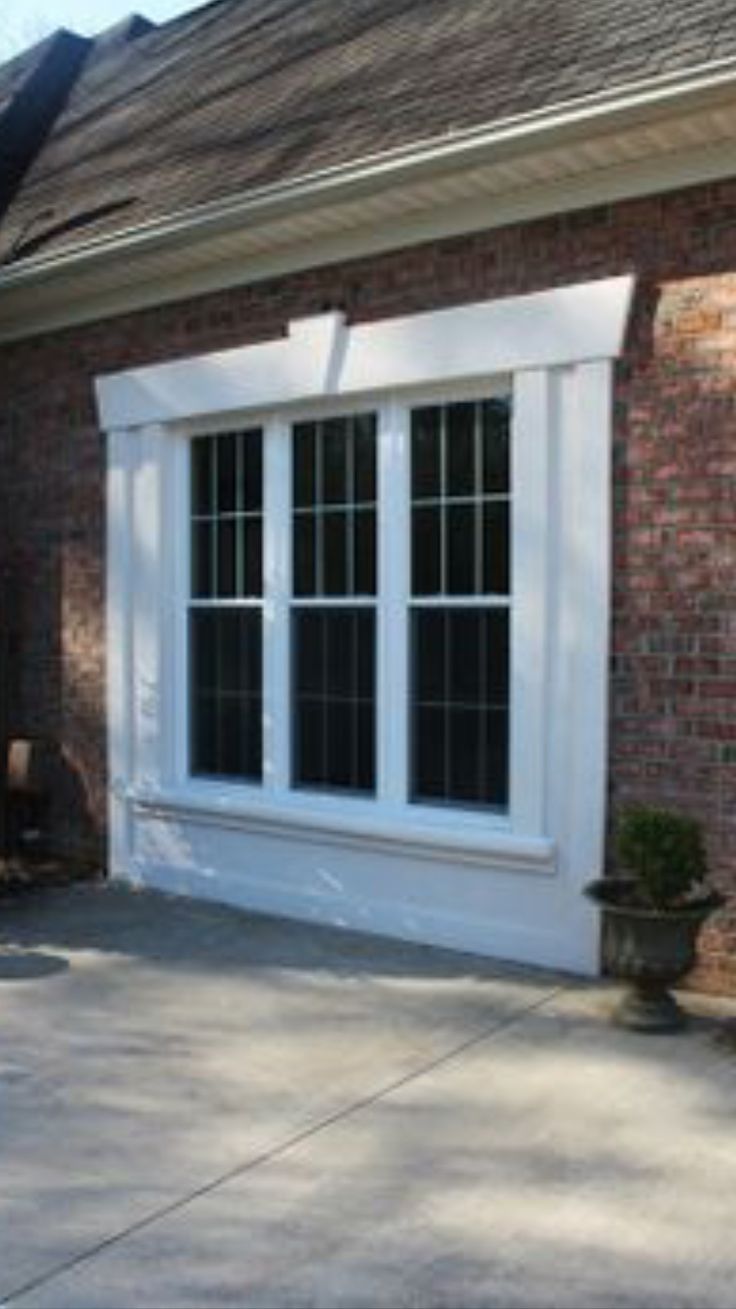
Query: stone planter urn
653	914
650	949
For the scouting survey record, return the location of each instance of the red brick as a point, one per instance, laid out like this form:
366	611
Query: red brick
673	689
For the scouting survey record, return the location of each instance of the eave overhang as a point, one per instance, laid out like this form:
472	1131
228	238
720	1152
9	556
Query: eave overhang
651	137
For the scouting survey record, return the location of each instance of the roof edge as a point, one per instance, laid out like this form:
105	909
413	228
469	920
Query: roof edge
649	101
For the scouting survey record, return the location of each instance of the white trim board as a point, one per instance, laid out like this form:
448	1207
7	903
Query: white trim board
324	357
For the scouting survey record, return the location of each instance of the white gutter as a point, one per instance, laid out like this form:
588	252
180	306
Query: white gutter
651	98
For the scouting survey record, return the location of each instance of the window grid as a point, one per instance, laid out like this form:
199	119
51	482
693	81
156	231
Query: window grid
226	605
333	622
329	528
459	747
462	483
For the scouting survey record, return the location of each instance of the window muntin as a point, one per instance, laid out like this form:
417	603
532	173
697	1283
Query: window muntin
460	705
225	609
459	620
334	698
460	498
334	520
334	548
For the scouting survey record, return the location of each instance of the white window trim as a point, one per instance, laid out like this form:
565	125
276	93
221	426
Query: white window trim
558	348
389	803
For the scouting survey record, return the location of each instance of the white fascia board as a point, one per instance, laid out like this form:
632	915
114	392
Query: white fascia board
324	358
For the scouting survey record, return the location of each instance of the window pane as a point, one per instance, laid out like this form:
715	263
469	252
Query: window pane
204	652
431	667
496	658
226	463
334	698
335	465
226	478
305	554
226	557
341	744
340	677
202	559
365	751
461	549
459	705
334	461
364	552
202	479
496	748
335	553
429	754
310	742
461	459
204	734
426	455
496	422
426	550
365	657
496	548
364	460
467	653
252	545
250	495
305	457
465	781
225	692
309	667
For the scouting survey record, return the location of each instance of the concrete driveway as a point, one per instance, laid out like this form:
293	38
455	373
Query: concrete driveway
198	1107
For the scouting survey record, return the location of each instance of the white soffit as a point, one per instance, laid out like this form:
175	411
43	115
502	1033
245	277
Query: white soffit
323	357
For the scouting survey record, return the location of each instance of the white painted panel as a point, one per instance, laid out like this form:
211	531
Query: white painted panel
489	911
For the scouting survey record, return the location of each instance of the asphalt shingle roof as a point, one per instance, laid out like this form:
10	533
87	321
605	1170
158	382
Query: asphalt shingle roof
242	93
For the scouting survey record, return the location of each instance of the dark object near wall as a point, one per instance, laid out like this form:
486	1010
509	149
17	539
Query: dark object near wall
29	768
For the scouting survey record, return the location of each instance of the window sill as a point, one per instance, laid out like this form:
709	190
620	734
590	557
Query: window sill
461	838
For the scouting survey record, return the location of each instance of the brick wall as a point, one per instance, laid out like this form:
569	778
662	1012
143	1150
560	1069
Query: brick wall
673	669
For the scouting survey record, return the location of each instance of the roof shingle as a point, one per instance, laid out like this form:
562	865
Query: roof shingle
244	93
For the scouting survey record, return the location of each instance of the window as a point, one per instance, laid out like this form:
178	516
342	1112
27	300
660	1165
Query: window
225	611
450	629
460	513
333	616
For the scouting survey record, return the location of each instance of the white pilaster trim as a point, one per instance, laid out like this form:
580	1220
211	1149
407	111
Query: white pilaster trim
277	499
530	566
392	614
587	525
119	645
149	602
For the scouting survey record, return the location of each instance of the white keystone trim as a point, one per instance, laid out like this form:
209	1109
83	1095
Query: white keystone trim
323	357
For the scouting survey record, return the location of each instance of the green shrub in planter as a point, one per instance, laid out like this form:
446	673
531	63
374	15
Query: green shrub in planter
665	855
652	916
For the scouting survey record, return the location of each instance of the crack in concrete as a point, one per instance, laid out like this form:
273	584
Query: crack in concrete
276	1151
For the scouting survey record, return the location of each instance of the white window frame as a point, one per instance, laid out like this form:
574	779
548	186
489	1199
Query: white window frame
557	348
392	604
